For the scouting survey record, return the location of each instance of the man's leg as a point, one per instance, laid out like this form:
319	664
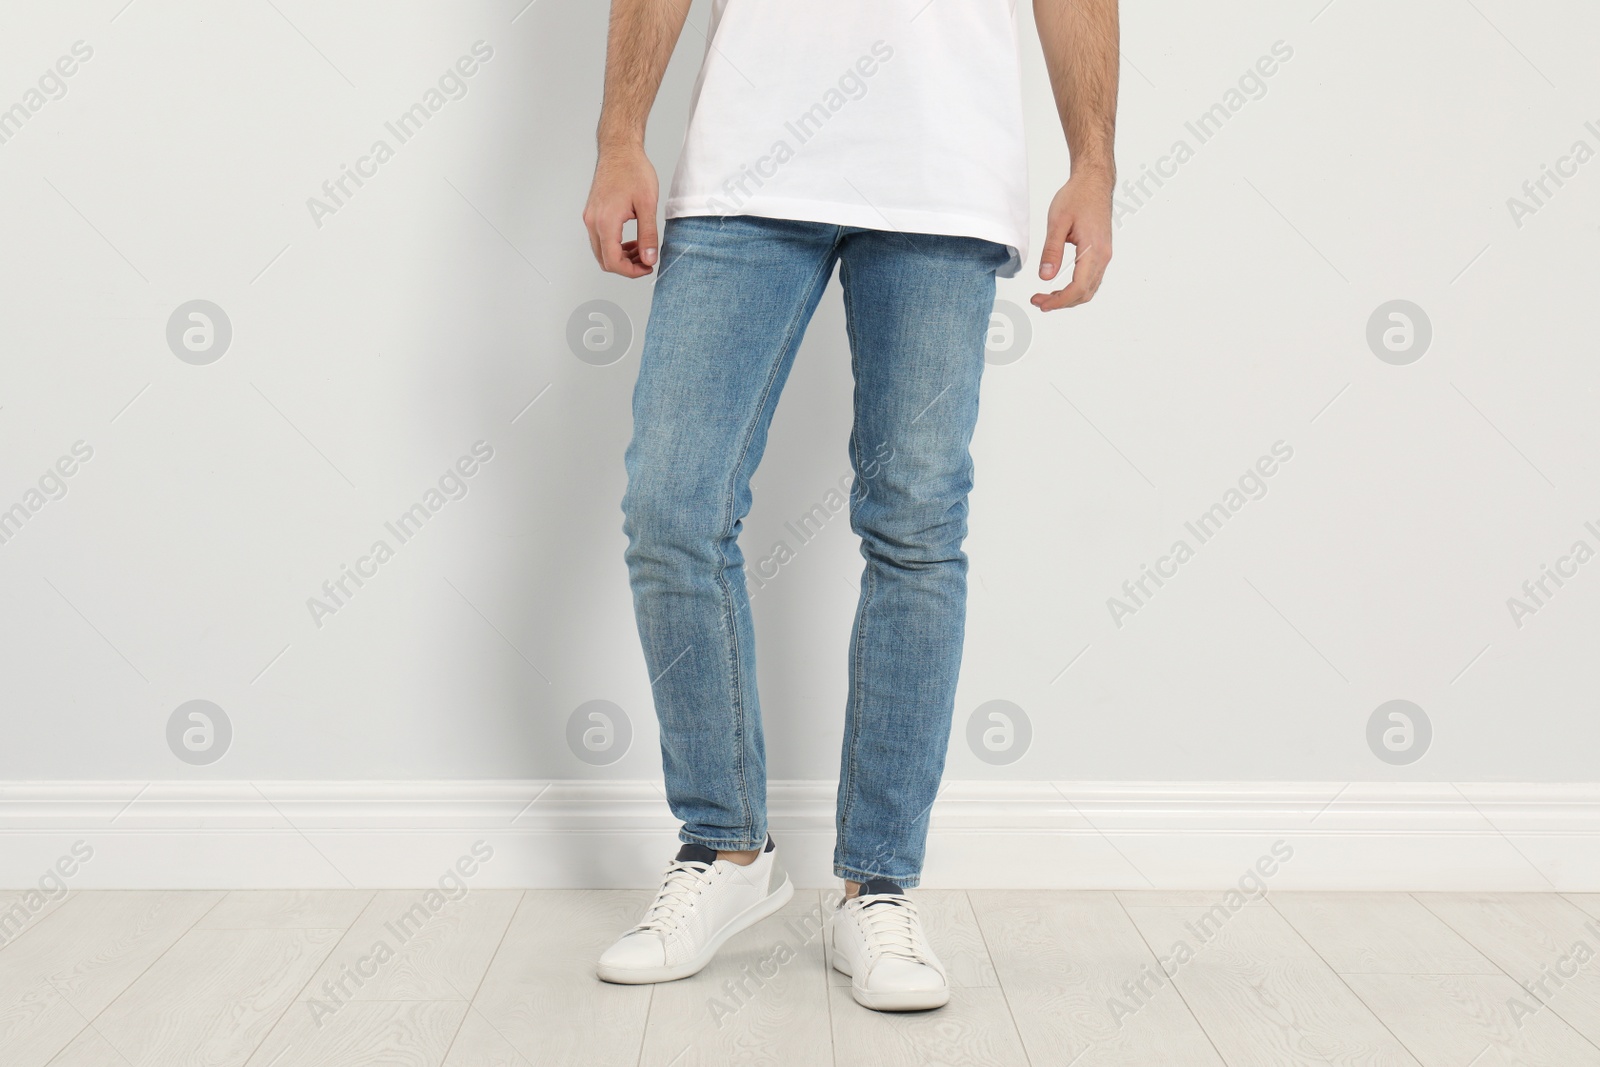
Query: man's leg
731	304
918	307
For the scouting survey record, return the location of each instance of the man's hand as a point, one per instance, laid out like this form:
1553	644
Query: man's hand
1080	50
624	188
1080	215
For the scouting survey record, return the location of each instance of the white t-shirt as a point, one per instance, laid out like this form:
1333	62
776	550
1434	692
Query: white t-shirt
885	114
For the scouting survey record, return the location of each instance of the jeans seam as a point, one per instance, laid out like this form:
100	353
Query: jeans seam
859	874
729	615
740	844
853	742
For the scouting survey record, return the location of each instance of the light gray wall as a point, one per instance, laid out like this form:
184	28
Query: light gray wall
370	352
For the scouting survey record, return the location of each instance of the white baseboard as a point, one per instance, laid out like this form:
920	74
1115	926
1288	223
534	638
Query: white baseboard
576	834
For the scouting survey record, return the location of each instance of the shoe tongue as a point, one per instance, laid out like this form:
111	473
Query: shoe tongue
874	886
694	853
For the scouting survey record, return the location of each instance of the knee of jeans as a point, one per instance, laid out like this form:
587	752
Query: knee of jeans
913	533
667	523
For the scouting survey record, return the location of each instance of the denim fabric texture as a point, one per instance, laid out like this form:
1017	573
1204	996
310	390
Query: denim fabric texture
733	297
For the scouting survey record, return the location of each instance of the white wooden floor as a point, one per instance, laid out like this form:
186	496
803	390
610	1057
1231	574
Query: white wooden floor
170	979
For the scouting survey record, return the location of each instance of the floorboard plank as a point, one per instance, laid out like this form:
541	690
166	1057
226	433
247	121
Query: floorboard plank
541	1001
1588	902
370	1034
1263	996
973	1030
66	971
24	910
1390	933
1062	958
286	909
1177	898
1450	1020
212	997
413	953
1533	938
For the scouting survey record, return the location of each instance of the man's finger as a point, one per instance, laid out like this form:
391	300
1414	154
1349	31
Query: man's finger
1088	268
612	257
1055	242
594	238
649	241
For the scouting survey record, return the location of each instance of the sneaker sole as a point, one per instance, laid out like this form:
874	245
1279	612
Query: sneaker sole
891	1000
743	921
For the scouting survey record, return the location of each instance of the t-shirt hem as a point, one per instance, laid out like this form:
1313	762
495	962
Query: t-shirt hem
839	213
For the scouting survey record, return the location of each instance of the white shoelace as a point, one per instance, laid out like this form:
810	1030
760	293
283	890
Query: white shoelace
892	929
679	890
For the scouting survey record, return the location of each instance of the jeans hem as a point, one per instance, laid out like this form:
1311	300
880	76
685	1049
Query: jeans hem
724	844
855	874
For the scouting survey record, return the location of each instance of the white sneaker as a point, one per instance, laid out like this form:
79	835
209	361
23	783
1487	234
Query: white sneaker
877	940
702	902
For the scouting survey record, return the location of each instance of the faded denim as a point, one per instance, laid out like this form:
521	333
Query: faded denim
732	300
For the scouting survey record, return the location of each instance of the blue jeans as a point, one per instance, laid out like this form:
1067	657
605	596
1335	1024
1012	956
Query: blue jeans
732	300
